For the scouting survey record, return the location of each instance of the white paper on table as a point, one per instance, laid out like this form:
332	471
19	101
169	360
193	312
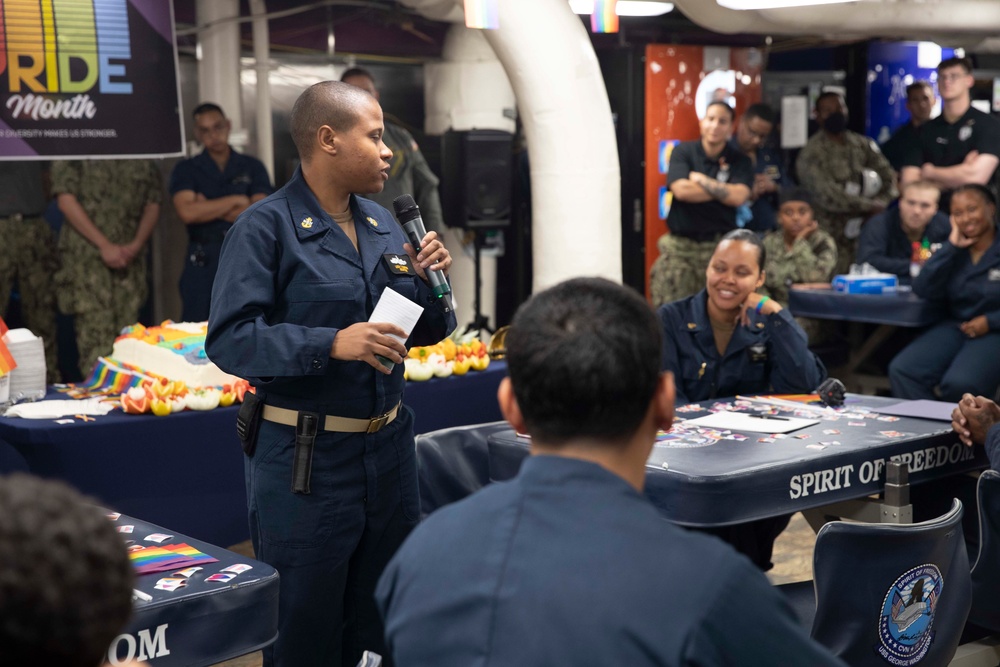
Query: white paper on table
60	408
394	308
741	421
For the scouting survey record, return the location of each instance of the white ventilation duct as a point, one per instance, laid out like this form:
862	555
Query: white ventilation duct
563	104
938	20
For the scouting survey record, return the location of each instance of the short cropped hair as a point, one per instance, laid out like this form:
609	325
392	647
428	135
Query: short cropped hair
748	236
207	107
918	85
584	361
760	110
720	103
984	192
332	103
964	62
65	576
351	72
920	185
829	93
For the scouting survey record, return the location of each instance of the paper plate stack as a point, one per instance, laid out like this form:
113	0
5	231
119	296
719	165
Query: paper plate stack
27	380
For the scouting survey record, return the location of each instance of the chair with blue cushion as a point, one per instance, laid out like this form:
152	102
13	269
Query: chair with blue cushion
888	593
453	463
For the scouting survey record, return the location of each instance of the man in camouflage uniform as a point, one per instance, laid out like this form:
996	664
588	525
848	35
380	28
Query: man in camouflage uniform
409	172
28	253
833	165
798	252
111	208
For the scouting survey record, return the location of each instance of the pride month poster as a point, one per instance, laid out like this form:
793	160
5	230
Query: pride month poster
88	78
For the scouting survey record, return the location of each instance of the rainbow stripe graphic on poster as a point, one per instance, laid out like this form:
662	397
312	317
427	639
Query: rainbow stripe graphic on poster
483	14
64	47
7	363
604	18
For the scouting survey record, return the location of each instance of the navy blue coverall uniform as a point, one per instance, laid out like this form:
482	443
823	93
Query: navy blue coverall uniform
289	279
769	162
567	564
943	356
243	175
771	355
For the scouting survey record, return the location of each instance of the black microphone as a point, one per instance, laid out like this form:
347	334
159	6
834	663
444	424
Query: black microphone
409	218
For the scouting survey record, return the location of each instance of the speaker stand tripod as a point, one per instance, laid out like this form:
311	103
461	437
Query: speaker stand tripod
479	321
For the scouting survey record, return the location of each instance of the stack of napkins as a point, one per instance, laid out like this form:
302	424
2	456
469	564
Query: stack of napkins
27	381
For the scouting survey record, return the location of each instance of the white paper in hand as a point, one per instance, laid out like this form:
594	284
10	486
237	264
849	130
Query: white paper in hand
394	308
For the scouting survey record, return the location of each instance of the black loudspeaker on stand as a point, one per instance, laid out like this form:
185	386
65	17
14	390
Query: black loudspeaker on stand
475	192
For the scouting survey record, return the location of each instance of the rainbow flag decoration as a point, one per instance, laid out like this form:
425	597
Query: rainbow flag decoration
169	557
3	325
604	18
483	14
7	363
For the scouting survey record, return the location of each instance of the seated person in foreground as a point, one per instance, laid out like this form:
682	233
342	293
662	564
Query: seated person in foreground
886	240
798	252
960	354
728	340
65	576
568	564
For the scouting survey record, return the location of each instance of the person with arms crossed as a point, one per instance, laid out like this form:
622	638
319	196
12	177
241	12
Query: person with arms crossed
920	103
848	176
111	209
299	275
409	173
962	145
568	563
209	191
709	180
963	276
886	241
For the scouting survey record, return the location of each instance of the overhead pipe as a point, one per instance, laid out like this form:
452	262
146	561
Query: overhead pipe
262	62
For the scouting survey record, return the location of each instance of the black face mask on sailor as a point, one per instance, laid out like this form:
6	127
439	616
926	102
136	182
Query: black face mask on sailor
835	123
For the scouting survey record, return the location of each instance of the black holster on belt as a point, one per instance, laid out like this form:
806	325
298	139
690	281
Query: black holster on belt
305	442
248	422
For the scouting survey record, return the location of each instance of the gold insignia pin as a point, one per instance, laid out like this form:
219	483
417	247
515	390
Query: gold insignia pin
692	325
404	269
373	221
307	223
760	325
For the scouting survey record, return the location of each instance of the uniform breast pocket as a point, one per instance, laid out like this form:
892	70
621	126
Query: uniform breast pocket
406	286
326	303
697	378
755	366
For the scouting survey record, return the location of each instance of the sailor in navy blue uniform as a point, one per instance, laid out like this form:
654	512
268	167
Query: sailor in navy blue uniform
728	340
765	350
299	276
959	354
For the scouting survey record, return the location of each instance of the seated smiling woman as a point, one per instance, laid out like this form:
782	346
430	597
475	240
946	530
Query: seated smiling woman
728	340
959	354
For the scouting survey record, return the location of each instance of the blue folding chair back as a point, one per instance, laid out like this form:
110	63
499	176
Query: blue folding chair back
453	463
891	594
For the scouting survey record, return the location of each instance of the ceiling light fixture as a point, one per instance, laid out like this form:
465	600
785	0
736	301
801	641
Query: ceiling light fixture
626	7
776	4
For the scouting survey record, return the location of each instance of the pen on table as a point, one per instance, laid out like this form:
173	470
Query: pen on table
137	594
781	419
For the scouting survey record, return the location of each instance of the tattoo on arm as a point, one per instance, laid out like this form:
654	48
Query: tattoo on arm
716	189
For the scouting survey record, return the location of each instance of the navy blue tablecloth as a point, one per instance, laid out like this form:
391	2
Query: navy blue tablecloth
903	308
728	481
204	622
186	470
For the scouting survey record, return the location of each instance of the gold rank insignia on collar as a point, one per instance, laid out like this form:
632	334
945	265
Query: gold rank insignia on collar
692	325
373	221
760	325
307	223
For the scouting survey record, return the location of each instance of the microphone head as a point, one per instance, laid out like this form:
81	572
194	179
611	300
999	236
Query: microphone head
403	203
